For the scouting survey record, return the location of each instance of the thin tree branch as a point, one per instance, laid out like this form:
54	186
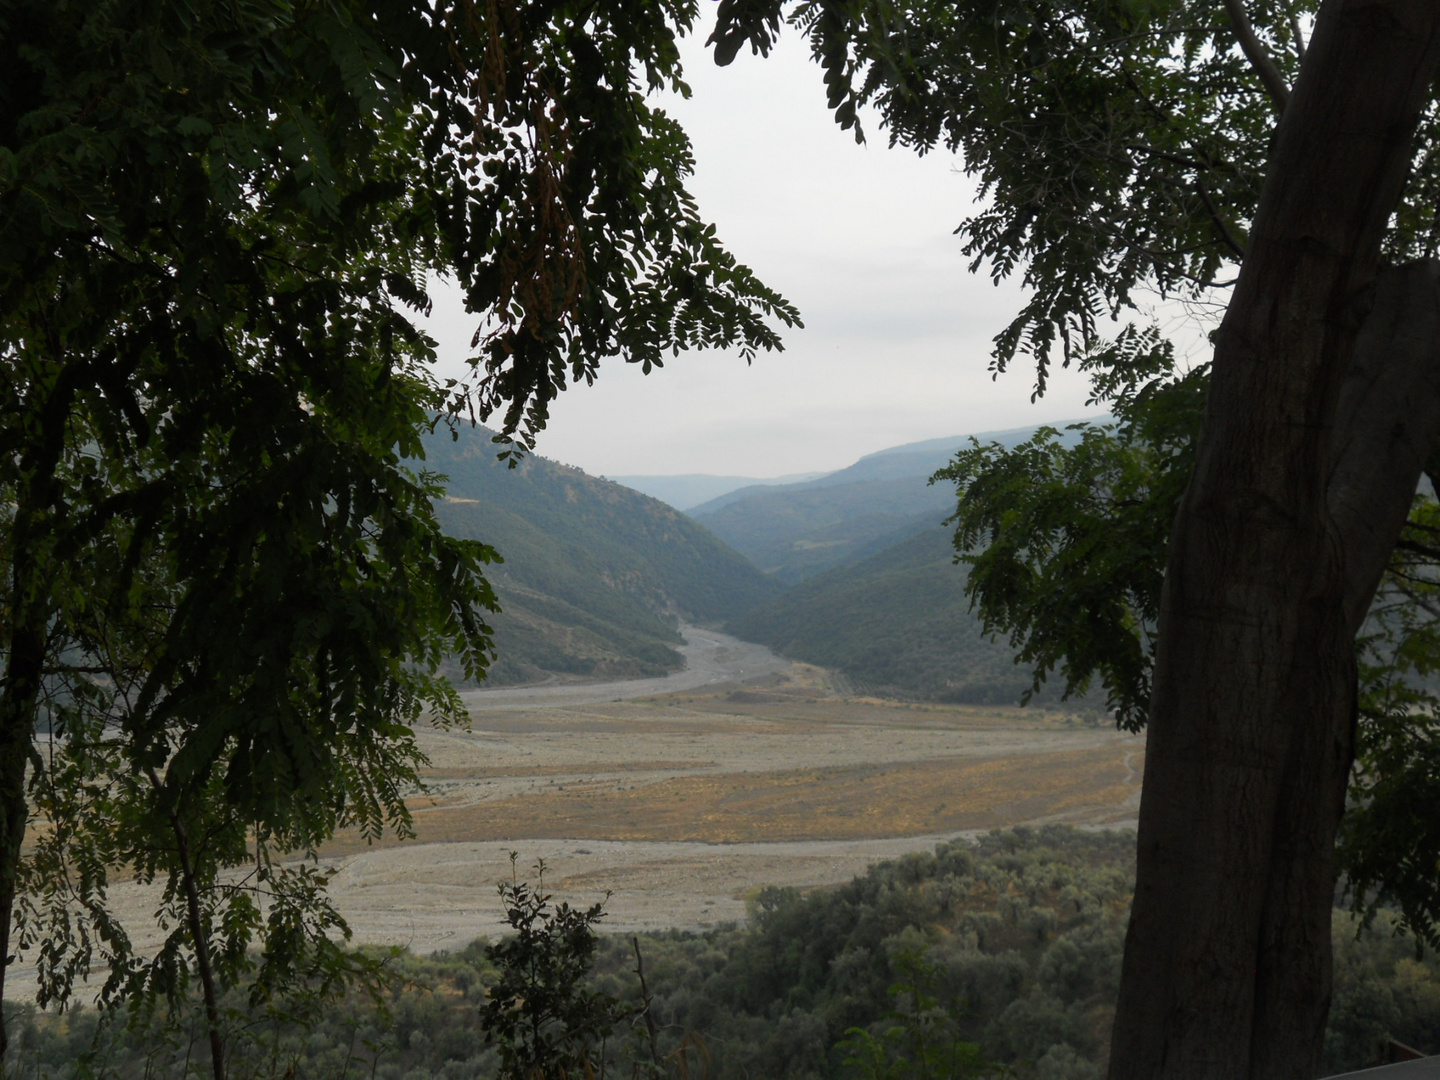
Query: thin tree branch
201	945
1428	551
1226	234
1254	51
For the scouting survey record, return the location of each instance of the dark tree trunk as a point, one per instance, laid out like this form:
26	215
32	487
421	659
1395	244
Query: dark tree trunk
200	937
24	661
1324	403
20	695
19	698
28	612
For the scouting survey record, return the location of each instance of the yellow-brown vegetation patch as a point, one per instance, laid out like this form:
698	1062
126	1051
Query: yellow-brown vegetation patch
790	706
497	771
896	799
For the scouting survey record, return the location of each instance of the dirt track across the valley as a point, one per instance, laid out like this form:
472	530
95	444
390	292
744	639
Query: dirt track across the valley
680	797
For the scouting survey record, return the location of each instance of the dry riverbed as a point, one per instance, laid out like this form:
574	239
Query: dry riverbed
683	803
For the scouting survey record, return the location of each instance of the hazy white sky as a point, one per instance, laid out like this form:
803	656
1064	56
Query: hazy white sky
897	333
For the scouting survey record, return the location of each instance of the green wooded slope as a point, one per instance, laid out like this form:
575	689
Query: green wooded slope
797	532
596	576
897	622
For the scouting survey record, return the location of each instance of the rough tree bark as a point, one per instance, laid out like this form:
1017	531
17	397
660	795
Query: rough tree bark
23	662
27	613
1324	403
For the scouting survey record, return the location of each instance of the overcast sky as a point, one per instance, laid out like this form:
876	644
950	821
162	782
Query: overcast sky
897	333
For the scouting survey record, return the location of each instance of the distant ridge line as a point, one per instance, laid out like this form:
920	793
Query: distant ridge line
1004	436
909	461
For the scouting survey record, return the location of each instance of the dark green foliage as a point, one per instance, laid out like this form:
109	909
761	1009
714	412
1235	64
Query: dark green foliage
1382	991
1389	840
225	587
921	1041
566	212
781	994
426	1020
594	574
1120	146
247	627
1017	938
540	1013
1066	543
898	622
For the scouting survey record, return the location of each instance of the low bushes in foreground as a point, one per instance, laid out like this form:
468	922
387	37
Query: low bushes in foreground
1002	952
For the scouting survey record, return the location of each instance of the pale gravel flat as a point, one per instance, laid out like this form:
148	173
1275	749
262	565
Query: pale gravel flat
442	896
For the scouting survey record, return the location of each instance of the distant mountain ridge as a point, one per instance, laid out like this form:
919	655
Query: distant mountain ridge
917	459
700	493
875	590
595	575
795	531
687	490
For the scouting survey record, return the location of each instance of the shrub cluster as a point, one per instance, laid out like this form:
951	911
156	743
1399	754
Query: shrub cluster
1018	936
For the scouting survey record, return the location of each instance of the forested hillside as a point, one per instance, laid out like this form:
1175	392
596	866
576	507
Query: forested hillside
897	622
1016	938
796	531
596	576
795	534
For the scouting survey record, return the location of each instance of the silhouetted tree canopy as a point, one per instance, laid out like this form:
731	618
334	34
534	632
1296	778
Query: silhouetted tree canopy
1218	554
226	594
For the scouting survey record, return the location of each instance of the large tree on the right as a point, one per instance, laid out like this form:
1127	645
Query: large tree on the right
1324	403
1287	156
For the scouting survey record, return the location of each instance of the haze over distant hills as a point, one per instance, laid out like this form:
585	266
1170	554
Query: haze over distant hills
875	590
798	530
596	576
858	570
692	489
